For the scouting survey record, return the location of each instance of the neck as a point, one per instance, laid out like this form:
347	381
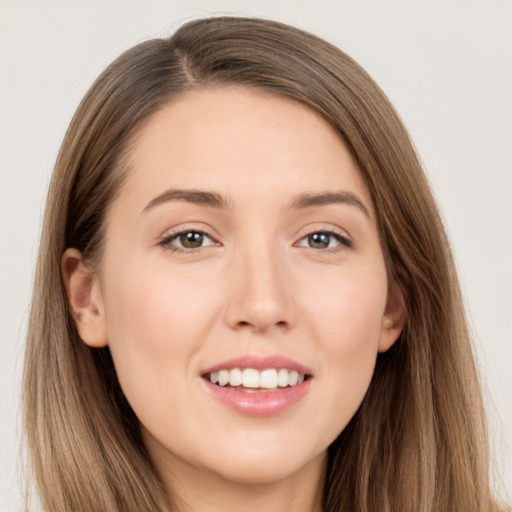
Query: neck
196	490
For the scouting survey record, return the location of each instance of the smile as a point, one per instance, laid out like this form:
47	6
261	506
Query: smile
251	380
260	386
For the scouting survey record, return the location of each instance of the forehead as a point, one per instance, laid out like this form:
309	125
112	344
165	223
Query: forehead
240	140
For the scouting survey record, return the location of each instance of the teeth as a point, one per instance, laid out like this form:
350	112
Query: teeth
251	378
270	378
282	377
223	377
235	377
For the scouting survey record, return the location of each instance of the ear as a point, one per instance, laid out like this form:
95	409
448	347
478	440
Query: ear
85	299
394	317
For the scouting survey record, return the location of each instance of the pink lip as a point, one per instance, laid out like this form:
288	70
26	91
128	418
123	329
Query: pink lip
261	403
260	363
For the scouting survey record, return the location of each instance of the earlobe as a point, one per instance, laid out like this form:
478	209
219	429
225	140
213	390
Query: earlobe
85	299
394	318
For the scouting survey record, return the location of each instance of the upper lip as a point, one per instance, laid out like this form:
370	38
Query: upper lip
260	362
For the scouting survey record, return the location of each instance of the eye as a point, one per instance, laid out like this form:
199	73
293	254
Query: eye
325	240
188	239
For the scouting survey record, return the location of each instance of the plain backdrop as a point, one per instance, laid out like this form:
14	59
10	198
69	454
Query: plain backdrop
446	66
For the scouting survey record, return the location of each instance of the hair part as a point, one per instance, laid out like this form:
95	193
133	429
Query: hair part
418	441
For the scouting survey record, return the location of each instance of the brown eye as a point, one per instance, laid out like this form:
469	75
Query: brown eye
191	240
187	240
319	240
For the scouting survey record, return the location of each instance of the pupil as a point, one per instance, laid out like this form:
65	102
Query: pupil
319	240
191	240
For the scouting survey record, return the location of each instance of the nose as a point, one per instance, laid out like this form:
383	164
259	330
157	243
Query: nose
261	293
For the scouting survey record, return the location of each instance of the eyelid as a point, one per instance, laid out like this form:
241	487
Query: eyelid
340	235
344	240
165	240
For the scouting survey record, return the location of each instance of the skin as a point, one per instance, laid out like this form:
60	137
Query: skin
255	286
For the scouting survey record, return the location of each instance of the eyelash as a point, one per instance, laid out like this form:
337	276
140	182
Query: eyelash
166	241
344	242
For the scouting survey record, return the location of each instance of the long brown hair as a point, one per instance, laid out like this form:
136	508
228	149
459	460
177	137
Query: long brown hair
417	443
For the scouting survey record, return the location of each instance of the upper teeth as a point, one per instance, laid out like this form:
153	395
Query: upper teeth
251	378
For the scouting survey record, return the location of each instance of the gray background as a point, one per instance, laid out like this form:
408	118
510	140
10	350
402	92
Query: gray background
446	65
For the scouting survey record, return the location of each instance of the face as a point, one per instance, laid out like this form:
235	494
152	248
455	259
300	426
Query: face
243	250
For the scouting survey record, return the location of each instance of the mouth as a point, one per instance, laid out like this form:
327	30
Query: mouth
260	386
251	380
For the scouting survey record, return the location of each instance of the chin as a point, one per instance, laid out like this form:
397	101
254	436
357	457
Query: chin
262	472
265	465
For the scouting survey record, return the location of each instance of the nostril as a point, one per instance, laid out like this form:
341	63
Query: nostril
245	324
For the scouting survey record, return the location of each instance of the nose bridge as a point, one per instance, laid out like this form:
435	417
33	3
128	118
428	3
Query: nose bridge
261	293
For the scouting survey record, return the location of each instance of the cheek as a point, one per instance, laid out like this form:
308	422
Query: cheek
347	321
349	309
156	322
152	307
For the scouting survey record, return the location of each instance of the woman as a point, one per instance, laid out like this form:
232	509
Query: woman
256	303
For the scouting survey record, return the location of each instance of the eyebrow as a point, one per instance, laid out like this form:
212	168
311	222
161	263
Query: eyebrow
199	197
325	198
216	200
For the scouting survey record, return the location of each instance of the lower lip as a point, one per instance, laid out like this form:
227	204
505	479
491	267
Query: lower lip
260	403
